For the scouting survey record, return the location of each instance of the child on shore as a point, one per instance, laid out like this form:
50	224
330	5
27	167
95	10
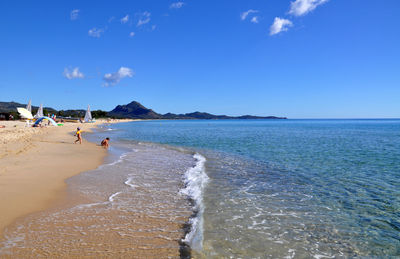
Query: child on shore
79	135
104	142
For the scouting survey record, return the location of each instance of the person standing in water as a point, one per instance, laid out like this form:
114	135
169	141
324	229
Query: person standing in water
79	135
104	142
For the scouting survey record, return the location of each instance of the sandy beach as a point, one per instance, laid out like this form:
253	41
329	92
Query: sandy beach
35	163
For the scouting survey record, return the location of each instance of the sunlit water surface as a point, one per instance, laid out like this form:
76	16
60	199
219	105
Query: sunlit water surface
290	188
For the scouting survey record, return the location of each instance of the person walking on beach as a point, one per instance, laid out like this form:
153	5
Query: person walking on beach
104	142
79	135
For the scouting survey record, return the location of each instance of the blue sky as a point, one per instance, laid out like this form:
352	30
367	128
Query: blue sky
294	58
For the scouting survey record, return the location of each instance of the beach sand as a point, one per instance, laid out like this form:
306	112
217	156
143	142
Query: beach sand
35	163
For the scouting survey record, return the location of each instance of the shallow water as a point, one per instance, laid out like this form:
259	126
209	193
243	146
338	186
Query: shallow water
293	189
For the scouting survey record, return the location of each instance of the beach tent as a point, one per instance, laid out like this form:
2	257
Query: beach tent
29	107
24	113
39	113
45	117
88	115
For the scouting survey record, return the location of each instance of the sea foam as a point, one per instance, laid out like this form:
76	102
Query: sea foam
195	179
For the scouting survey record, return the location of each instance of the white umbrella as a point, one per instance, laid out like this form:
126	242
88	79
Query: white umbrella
25	113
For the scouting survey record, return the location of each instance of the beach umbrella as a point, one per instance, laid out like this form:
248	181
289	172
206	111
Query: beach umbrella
39	112
88	115
29	107
25	113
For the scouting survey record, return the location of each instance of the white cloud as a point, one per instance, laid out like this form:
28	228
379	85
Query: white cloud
131	34
279	25
153	27
143	18
244	15
74	14
302	7
114	78
96	33
72	74
255	19
125	19
176	5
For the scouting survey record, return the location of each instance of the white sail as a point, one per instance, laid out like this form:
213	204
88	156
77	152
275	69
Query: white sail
29	107
39	112
88	115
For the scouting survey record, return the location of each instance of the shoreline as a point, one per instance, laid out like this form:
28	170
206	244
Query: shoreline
36	162
69	226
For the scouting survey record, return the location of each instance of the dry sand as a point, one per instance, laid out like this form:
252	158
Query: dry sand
34	163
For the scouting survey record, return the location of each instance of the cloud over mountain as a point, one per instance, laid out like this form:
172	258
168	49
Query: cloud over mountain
114	78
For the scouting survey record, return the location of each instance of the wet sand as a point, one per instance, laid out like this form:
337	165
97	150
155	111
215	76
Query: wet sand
35	163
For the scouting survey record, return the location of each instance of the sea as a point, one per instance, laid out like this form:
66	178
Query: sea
250	188
281	188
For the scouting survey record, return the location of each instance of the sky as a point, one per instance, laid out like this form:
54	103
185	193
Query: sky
293	58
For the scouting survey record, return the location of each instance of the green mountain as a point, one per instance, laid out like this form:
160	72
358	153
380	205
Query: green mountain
8	107
135	110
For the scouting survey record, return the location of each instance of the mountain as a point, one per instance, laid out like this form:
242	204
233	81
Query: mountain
6	107
11	107
135	110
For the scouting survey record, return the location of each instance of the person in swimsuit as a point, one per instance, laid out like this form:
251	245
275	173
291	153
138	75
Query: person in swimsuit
104	142
79	135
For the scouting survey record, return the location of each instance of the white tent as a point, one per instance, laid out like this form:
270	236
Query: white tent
39	113
29	107
88	115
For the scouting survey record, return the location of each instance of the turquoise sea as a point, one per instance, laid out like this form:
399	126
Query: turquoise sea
284	188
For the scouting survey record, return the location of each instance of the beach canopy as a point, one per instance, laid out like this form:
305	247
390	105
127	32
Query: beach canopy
39	113
45	117
88	115
29	107
25	113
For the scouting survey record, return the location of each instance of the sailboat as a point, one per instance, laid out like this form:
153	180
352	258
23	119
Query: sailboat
88	115
39	113
29	106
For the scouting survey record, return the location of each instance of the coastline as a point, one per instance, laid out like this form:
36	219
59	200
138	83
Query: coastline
63	223
35	164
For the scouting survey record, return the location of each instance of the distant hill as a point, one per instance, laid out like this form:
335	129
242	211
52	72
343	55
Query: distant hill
6	107
11	107
135	110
